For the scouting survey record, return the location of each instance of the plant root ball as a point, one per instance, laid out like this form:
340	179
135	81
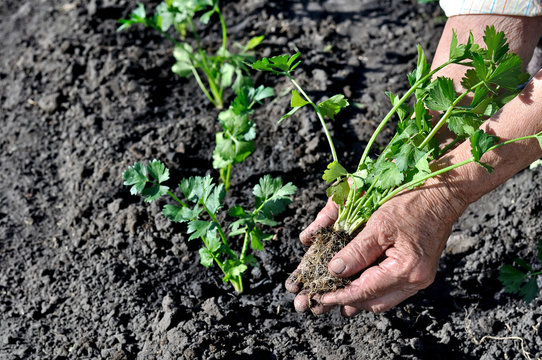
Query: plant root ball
314	274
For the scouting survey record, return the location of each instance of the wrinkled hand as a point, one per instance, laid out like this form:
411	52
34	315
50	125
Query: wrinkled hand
410	231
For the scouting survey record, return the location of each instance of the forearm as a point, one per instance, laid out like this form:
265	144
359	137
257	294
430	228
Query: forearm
521	117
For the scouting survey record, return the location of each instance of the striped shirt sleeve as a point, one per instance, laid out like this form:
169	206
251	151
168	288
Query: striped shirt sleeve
496	7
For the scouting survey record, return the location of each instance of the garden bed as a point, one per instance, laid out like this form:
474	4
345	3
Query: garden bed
89	271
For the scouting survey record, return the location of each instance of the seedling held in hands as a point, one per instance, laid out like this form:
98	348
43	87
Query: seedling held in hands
492	79
203	200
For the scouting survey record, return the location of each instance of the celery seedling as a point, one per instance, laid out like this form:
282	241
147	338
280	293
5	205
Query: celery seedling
236	142
220	69
203	200
521	278
492	79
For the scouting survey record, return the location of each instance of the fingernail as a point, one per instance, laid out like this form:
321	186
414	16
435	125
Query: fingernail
337	266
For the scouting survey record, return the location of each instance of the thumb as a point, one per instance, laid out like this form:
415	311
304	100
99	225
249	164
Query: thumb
325	217
361	252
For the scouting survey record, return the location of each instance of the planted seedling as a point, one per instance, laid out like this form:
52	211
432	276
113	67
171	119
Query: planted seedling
203	201
522	277
218	69
236	142
492	79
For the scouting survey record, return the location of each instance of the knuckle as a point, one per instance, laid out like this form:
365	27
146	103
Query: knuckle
422	275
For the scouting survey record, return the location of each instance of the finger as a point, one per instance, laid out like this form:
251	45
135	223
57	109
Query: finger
386	302
316	305
361	252
325	217
373	283
292	284
349	311
301	301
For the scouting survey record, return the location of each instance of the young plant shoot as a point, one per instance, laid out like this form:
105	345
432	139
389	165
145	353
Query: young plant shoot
203	201
236	142
219	69
493	78
522	277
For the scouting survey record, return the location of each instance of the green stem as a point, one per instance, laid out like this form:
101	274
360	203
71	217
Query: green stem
202	86
395	108
221	233
218	102
420	181
319	114
176	198
225	174
237	283
224	32
245	247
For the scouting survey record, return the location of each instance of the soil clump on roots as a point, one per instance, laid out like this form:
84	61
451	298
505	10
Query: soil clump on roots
314	274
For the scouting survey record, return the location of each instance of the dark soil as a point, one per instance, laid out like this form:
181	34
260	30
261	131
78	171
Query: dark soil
88	271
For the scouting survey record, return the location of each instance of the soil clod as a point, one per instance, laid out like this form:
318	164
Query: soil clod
314	274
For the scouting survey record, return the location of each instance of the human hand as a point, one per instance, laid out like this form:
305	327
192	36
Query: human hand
410	230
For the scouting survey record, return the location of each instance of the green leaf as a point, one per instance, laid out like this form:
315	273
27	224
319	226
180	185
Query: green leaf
257	237
180	213
271	196
136	176
523	264
297	101
215	199
539	138
441	94
251	260
287	115
495	43
539	248
237	211
338	192
464	124
233	269
334	171
226	75
204	19
422	68
404	111
213	240
390	176
163	17
529	291
457	52
508	73
470	79
511	278
481	142
253	42
198	228
138	16
206	257
261	93
407	157
333	106
154	192
158	171
278	64
196	188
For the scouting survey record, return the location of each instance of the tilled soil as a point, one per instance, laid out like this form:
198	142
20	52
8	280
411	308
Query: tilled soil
88	271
